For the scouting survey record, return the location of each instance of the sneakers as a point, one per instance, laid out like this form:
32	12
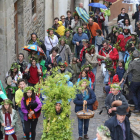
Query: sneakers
24	136
30	135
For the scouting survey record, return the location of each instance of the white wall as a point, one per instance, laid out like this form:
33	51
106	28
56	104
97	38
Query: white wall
63	4
86	3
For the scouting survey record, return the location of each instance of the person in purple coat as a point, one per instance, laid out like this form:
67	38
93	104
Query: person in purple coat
31	108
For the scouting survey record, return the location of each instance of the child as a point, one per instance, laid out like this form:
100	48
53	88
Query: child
85	30
87	67
113	78
98	40
84	75
8	118
120	69
76	68
31	108
83	51
32	55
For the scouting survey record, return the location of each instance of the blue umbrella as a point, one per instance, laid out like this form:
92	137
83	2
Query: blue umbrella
98	5
82	14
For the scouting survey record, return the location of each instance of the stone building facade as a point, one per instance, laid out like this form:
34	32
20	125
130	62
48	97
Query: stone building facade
18	19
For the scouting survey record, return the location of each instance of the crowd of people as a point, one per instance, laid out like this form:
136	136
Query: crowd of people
75	47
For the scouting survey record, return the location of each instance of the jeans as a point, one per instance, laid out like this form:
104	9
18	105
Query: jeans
22	118
135	89
105	29
80	126
121	55
94	70
33	124
98	47
48	53
105	73
83	62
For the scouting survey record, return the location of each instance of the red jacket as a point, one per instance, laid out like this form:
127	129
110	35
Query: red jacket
113	55
81	53
123	41
90	75
115	79
100	21
34	78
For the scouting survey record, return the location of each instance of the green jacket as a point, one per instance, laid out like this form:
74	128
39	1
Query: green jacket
69	42
18	97
14	118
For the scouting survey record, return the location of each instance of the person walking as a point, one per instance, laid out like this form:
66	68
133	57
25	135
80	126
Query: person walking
119	126
93	26
84	96
136	16
18	98
134	68
77	40
111	53
76	22
31	108
50	41
92	59
8	118
69	19
64	50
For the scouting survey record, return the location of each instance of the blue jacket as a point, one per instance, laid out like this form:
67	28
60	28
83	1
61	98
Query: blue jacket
116	130
120	73
78	101
48	60
77	38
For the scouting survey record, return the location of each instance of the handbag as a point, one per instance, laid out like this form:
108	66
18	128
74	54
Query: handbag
95	105
50	41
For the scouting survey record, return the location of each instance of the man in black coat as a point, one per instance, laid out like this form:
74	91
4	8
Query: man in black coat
136	16
119	126
69	19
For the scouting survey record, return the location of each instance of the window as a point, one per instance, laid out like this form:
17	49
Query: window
33	7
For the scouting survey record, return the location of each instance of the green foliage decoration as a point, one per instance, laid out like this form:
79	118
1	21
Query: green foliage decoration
117	46
55	88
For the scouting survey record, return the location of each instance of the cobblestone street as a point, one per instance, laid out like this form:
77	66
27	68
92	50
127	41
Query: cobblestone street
94	122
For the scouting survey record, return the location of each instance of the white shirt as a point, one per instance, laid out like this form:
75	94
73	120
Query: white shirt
48	44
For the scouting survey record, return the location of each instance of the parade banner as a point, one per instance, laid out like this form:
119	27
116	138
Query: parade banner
131	1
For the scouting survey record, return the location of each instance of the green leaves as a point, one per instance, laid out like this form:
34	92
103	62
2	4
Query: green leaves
55	88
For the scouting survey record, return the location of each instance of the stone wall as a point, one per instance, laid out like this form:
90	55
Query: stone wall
27	23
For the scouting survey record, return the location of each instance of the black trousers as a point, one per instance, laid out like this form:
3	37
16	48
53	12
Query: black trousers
30	126
30	84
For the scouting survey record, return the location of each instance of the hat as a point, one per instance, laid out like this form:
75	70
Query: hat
59	102
121	111
103	130
66	30
84	40
49	29
75	14
7	101
79	27
85	66
65	64
15	65
62	38
90	48
83	80
28	88
115	86
91	14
